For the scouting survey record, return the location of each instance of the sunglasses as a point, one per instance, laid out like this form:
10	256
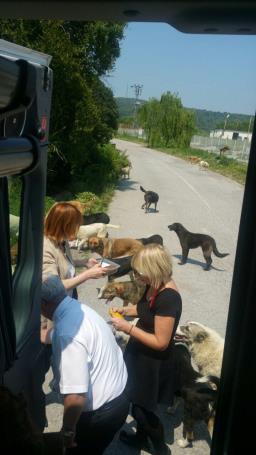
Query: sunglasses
136	273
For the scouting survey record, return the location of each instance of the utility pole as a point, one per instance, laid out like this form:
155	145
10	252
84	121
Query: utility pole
137	91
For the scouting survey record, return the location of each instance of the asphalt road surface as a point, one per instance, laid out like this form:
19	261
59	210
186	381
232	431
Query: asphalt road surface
202	201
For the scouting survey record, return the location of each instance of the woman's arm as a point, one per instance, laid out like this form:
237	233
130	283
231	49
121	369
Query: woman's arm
94	272
159	340
85	262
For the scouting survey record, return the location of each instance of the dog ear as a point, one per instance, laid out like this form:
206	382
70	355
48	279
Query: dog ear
200	337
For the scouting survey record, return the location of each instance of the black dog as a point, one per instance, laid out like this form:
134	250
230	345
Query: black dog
156	238
125	262
150	197
191	240
96	218
198	393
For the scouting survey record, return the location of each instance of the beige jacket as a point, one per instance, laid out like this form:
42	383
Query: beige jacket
55	262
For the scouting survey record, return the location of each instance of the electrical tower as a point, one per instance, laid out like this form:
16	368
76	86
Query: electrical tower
137	91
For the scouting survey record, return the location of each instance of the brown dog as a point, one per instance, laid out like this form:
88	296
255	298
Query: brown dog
194	159
128	291
114	248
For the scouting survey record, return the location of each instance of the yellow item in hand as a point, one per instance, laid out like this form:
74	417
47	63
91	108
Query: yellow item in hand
115	314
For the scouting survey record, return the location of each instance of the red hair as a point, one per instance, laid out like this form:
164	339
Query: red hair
62	222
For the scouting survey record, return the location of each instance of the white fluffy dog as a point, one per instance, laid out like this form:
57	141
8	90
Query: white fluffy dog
203	165
205	345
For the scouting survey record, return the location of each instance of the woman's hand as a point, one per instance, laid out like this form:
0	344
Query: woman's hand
91	262
121	325
96	271
118	309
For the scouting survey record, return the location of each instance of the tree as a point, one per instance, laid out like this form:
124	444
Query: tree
84	114
166	121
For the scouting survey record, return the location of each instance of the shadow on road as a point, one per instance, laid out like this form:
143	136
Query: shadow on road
195	262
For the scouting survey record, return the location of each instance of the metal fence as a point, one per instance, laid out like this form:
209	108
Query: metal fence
238	150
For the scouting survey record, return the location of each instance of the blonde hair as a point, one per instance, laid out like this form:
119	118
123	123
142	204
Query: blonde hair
154	262
62	222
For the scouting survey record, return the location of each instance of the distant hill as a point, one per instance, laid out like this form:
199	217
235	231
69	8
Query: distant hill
205	120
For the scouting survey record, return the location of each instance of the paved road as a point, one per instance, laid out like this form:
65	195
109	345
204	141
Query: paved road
203	202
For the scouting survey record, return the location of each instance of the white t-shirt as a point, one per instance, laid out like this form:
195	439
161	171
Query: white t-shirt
86	357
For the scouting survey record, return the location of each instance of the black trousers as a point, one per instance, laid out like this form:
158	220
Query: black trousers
149	424
96	429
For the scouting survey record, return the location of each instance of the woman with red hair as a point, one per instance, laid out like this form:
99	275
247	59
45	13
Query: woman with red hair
61	225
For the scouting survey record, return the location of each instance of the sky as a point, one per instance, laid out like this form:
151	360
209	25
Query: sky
213	72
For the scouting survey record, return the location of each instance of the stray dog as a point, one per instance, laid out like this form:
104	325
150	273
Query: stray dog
128	291
203	165
156	238
90	230
150	197
194	159
125	171
199	394
125	262
100	217
114	248
205	345
191	240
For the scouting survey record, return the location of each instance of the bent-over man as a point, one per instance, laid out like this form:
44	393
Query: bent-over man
89	371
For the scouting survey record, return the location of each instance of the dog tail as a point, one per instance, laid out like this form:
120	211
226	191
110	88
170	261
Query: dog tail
142	189
217	253
114	226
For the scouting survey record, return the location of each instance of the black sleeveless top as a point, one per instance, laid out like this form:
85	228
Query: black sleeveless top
150	372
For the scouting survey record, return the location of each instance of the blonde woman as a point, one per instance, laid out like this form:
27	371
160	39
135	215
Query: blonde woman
61	225
149	352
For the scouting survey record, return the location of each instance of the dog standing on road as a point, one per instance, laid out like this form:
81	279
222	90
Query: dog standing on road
191	240
125	171
150	197
203	165
114	247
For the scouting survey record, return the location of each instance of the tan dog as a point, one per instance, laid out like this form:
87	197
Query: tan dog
125	171
128	291
95	229
114	248
206	347
193	159
81	206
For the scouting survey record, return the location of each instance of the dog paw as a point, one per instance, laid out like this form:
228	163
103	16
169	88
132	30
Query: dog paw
183	443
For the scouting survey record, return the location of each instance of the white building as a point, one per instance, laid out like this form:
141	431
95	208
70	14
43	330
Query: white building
231	134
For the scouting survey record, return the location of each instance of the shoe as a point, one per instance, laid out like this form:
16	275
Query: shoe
134	440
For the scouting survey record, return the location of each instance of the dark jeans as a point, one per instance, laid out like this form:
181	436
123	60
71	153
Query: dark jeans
96	429
149	424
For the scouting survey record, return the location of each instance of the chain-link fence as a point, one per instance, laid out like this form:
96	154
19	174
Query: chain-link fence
238	149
